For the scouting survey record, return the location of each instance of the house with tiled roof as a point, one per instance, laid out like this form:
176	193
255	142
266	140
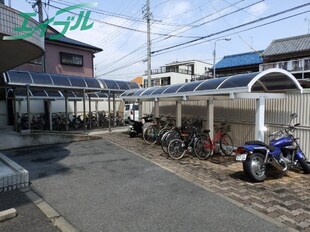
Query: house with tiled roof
239	63
64	55
291	54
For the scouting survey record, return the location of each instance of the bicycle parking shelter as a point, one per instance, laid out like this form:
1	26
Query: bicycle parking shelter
269	84
23	85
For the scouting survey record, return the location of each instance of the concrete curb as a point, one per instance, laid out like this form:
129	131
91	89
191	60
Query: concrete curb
240	205
7	214
18	178
56	218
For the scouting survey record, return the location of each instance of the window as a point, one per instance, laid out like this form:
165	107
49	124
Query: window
71	59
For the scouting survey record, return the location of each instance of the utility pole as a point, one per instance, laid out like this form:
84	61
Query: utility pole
40	13
149	65
308	20
40	10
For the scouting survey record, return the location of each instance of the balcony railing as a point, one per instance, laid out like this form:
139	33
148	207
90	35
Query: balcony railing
293	66
169	69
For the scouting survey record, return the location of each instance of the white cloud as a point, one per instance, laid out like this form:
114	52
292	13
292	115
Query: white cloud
258	9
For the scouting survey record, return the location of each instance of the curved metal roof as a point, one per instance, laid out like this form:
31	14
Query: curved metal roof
269	81
39	94
45	80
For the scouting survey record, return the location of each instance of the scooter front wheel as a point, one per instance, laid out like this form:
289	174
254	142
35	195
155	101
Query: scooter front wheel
304	166
254	167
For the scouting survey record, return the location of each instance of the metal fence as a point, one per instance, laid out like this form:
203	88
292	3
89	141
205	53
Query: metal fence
240	114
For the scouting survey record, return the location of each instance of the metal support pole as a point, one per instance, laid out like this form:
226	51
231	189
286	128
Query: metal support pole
260	119
140	109
114	110
28	106
14	111
89	108
96	108
66	110
157	109
134	111
109	109
50	116
214	60
179	113
84	110
19	107
149	64
75	107
211	117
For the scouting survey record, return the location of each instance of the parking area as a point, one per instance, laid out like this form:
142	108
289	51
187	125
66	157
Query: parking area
285	199
100	186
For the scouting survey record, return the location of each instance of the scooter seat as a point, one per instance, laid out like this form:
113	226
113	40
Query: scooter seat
260	143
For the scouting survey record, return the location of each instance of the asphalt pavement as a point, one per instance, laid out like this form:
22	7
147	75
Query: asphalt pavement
98	186
29	217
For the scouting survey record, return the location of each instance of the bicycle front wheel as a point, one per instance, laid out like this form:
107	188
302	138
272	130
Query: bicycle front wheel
176	149
203	147
226	144
150	135
167	138
161	133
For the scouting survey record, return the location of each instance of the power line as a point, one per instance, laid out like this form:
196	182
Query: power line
127	28
233	28
240	31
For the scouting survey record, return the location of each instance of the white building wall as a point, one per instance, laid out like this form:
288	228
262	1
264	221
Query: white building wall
201	68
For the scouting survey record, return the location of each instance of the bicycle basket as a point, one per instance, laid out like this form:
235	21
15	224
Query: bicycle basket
224	127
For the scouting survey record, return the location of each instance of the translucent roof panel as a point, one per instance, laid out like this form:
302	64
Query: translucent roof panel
122	85
41	78
78	94
189	86
39	93
54	93
149	91
173	88
276	81
133	85
19	77
110	84
138	92
92	82
128	93
210	84
60	80
102	95
241	80
160	90
19	93
77	81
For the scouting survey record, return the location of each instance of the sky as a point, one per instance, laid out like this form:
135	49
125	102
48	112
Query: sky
120	29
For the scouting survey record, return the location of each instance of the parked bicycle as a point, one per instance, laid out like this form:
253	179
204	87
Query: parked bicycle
222	141
178	147
154	132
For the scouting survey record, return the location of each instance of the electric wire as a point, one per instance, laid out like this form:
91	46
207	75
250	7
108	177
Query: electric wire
235	27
